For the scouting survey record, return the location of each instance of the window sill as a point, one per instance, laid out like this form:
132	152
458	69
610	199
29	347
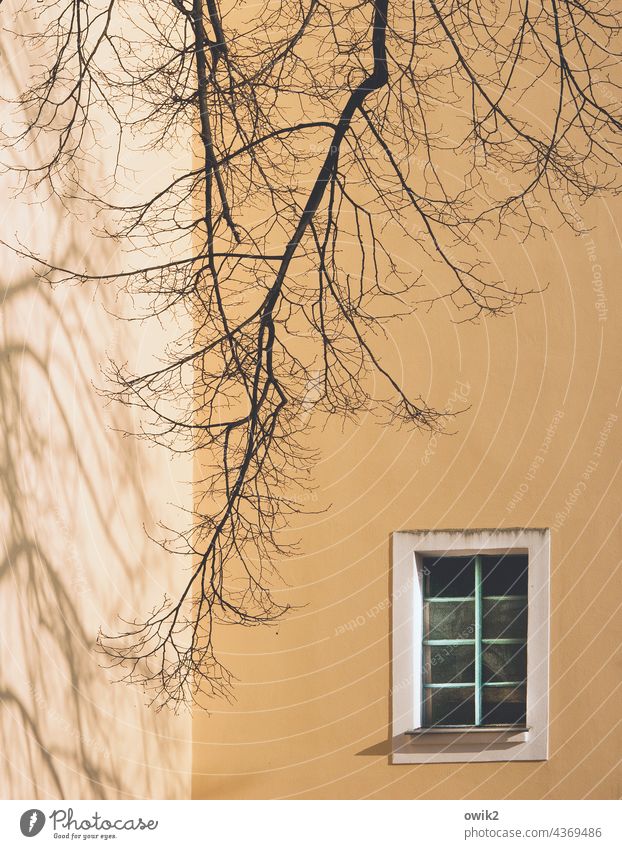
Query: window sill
468	745
507	735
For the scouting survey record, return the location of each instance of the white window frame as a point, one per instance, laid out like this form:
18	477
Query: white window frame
411	742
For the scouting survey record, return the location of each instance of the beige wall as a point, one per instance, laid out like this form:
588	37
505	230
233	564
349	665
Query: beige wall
74	497
313	699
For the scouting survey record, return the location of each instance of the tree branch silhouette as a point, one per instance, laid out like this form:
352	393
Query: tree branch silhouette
324	131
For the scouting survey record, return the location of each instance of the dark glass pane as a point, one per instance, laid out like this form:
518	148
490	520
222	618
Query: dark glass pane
504	663
505	574
449	664
449	706
450	620
504	706
505	618
449	576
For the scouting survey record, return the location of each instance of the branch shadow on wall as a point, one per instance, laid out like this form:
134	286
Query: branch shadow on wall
73	507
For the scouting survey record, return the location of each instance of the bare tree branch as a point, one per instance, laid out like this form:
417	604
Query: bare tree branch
324	131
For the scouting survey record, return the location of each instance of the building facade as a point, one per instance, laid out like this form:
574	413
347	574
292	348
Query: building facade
534	444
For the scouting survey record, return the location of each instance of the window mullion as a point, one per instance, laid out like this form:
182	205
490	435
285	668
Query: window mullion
478	639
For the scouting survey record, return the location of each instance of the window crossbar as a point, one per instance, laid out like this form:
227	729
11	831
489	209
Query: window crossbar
493	641
444	599
456	684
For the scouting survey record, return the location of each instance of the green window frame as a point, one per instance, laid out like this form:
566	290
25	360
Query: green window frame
475	640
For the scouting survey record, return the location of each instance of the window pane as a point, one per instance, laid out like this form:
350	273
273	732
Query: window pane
450	620
449	576
505	574
504	663
505	618
449	706
449	664
504	706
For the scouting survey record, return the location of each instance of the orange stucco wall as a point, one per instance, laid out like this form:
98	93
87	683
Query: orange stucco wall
75	500
538	444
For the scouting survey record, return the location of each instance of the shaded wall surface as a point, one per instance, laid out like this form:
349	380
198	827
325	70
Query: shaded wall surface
537	444
75	501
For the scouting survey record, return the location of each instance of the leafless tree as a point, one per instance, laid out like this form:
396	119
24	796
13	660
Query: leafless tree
324	131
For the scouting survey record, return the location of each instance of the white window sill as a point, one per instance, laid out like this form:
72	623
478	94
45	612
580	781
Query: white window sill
449	735
468	745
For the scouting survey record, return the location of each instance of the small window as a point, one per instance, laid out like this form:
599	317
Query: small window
470	645
475	641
